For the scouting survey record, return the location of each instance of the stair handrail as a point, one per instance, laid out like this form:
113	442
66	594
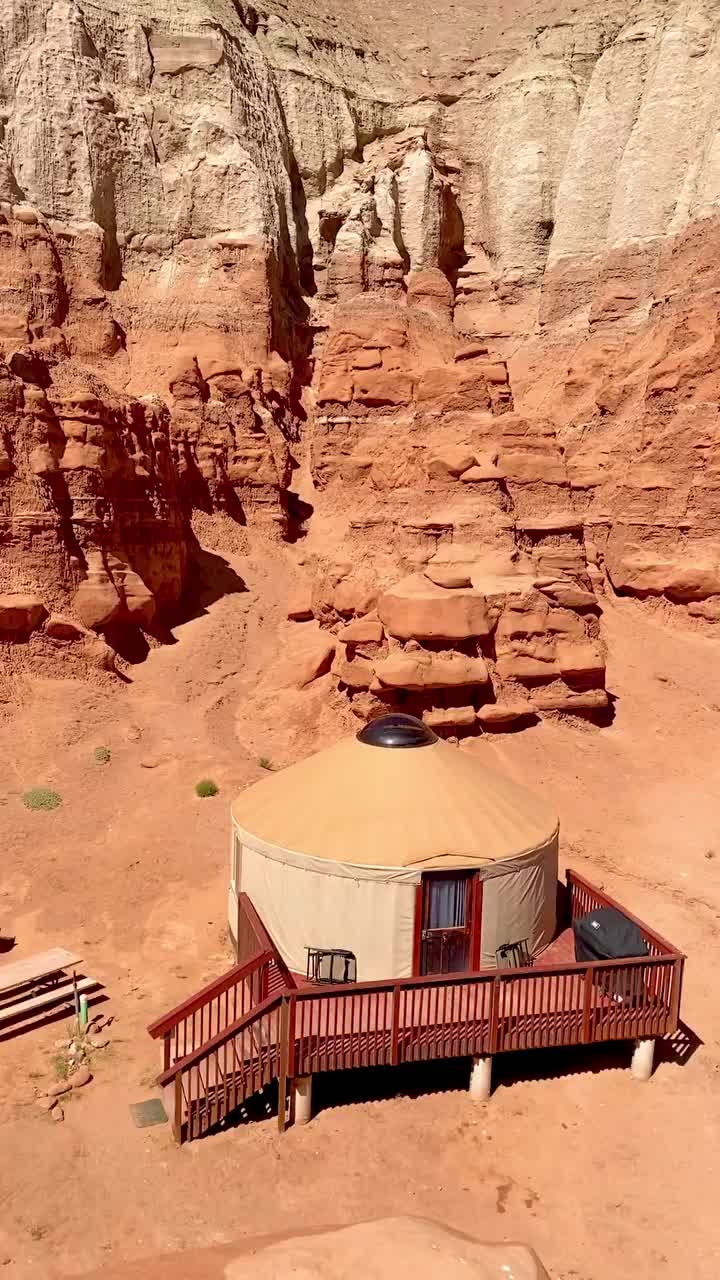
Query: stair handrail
229	979
228	1033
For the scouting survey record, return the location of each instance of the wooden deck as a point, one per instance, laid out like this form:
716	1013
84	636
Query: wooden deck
302	1029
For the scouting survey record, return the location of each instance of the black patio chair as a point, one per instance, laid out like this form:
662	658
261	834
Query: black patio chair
513	955
330	964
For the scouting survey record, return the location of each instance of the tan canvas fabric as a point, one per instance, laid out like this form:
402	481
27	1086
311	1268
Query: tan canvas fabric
303	906
371	910
520	904
423	807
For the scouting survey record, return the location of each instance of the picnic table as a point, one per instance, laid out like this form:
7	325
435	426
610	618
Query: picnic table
40	986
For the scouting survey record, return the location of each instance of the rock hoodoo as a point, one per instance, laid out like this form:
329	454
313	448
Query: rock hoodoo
445	294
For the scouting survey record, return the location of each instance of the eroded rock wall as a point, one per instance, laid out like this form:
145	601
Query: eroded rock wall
440	297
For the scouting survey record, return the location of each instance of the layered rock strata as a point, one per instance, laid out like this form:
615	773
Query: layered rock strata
444	302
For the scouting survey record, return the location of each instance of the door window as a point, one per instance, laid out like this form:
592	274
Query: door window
446	923
447	906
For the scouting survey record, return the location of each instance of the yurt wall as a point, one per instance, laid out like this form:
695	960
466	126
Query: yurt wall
371	911
308	902
519	901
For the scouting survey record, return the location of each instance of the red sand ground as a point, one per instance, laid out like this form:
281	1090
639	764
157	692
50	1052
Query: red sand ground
604	1176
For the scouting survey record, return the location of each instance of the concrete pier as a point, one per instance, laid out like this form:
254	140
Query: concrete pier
303	1099
481	1079
642	1059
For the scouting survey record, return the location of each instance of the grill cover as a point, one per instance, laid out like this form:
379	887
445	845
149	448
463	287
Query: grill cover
606	934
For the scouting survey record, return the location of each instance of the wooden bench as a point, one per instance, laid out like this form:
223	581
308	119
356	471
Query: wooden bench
18	973
40	986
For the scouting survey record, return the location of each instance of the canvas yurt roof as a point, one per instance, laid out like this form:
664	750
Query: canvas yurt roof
395	795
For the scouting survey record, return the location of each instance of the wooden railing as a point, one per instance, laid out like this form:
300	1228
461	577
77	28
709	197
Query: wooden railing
210	1011
253	938
260	972
299	1031
584	897
217	1077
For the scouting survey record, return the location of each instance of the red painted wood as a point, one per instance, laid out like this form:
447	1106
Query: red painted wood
476	921
557	1001
417	935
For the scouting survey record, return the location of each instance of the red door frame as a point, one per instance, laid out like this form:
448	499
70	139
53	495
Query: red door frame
475	903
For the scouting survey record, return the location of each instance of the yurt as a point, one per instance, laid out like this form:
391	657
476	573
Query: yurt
399	848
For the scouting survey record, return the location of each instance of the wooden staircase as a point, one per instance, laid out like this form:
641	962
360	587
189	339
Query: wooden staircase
220	1047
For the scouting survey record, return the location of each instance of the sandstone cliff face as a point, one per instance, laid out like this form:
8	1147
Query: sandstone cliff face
452	284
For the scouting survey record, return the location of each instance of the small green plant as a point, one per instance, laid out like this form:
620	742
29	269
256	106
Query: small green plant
60	1066
41	798
102	755
206	787
264	762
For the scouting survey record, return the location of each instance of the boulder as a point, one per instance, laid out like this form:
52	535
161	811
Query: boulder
565	624
98	654
335	388
495	372
471	351
361	631
534	467
60	1087
403	670
137	599
555	562
450	462
97	600
519	623
308	656
20	615
354	596
449	717
81	1077
692	578
708	609
566	700
482	473
59	627
421	670
46	1103
568	594
438	383
355	672
516	666
504	712
376	388
448	576
580	659
389	1247
418	608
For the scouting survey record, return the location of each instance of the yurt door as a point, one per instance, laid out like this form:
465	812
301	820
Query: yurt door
446	923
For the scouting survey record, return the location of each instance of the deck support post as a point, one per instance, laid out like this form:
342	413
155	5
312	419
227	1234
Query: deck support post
642	1059
481	1078
302	1086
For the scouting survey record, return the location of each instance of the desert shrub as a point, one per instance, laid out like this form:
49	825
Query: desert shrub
206	787
264	762
60	1066
103	755
41	798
